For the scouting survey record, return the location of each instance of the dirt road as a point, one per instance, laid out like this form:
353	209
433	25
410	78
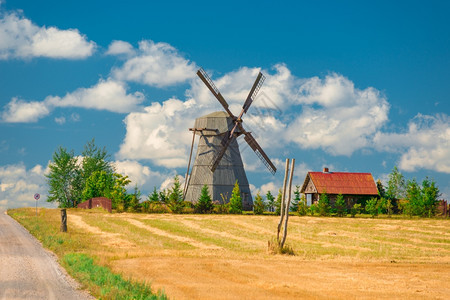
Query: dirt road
27	271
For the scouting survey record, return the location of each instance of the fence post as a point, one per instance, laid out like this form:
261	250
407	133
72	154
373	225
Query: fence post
63	220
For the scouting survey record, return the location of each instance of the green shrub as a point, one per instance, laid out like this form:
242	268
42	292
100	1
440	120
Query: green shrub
236	200
258	205
372	207
204	204
312	209
341	206
302	206
323	207
356	209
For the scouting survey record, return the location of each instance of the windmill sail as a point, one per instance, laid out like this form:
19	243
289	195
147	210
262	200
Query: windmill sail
254	91
259	152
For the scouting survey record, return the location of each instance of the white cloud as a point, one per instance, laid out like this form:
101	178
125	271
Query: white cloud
18	185
119	48
155	64
425	145
19	111
107	95
20	38
160	133
336	116
60	120
140	175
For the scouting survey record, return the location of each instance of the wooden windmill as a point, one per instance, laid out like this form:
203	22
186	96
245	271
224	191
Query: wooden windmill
218	162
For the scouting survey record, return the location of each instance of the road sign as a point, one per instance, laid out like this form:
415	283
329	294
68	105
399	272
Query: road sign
37	196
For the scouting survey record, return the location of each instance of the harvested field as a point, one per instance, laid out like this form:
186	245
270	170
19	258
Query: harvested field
225	256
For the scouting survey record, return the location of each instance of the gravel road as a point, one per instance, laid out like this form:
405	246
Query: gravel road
27	271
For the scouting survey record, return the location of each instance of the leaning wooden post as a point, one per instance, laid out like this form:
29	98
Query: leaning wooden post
288	203
189	165
282	200
63	220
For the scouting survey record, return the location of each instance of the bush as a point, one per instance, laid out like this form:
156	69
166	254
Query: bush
236	200
312	209
204	204
258	206
356	209
323	206
341	206
302	206
372	207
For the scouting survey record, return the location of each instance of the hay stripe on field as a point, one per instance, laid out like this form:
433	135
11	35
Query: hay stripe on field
166	234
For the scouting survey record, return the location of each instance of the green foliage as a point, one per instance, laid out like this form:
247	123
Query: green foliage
380	188
296	200
302	206
133	200
386	206
421	200
355	210
372	207
204	204
258	206
236	200
175	200
61	179
341	206
324	206
278	203
108	284
95	159
154	196
396	185
270	202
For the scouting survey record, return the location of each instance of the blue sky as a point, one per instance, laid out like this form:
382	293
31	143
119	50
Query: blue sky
350	85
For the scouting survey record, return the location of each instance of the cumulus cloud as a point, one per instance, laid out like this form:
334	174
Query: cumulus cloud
160	133
154	64
424	145
19	111
107	95
18	185
119	48
140	175
336	116
20	38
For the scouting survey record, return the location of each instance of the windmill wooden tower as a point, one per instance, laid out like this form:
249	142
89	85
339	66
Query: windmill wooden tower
218	162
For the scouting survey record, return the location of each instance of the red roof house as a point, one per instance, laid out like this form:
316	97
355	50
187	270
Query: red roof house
351	185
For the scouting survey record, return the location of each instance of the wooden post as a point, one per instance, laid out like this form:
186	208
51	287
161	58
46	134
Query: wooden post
63	220
282	200
189	165
288	203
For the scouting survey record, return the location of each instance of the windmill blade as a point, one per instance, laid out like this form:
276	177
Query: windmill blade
259	152
211	86
218	157
253	92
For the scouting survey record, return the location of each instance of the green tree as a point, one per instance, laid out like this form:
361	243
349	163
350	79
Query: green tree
278	202
258	206
270	202
414	204
396	185
204	204
372	207
381	190
430	194
236	200
302	206
154	196
175	201
134	200
99	184
62	178
323	205
296	200
341	206
355	209
118	193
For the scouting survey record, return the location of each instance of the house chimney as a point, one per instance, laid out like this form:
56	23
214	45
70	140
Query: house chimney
325	170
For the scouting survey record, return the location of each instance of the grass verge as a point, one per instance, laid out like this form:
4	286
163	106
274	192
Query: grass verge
98	280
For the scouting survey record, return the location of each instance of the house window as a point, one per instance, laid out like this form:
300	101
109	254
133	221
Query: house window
308	199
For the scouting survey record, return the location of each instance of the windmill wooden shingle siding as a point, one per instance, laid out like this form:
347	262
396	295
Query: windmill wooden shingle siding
352	186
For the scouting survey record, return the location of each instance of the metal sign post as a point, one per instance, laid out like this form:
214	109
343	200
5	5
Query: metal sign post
36	197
